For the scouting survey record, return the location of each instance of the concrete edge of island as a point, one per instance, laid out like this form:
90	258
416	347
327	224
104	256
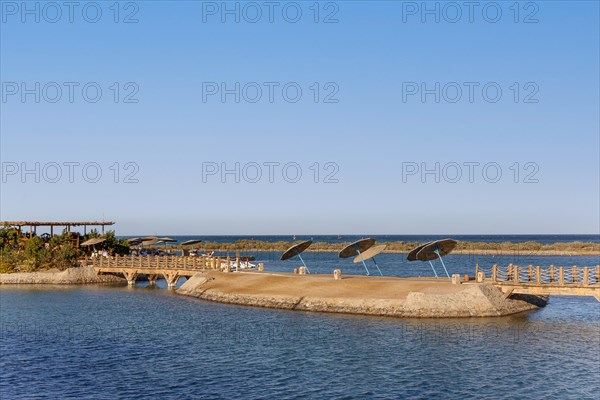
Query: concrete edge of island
379	296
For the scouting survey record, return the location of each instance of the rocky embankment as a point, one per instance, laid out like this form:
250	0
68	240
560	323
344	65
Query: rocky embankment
382	296
70	276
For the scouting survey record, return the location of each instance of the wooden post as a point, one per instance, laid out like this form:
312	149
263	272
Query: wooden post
597	274
139	261
495	273
510	272
586	276
480	277
238	260
476	270
552	273
152	279
561	276
516	272
171	280
530	273
228	261
148	262
101	260
575	277
538	274
131	277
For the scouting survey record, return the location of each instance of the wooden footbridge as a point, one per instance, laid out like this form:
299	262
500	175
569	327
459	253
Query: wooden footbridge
171	268
564	281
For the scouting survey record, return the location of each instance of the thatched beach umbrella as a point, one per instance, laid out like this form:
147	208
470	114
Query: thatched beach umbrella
166	240
191	243
356	249
412	256
437	249
93	242
371	252
295	251
149	240
134	241
432	250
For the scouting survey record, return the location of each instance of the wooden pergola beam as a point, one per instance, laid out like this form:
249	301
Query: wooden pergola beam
51	224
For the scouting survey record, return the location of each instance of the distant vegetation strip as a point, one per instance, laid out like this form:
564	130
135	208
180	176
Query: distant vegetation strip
559	248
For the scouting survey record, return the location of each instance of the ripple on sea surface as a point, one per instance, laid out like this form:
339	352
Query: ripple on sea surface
128	343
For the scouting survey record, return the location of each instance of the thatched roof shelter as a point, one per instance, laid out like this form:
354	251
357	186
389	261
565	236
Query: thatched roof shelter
93	241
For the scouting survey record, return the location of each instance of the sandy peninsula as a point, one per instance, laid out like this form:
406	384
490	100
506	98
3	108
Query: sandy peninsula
382	296
70	276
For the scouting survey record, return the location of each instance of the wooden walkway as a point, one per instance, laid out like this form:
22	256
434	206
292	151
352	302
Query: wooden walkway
536	280
171	268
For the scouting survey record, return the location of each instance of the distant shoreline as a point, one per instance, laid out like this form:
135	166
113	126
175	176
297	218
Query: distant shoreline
475	248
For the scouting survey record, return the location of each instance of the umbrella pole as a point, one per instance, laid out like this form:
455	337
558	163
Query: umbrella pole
442	261
375	262
303	263
436	275
363	261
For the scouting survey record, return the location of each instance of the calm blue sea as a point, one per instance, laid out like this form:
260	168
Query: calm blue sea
114	342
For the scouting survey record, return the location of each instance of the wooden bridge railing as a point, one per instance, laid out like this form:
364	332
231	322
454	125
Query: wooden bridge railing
156	262
165	262
536	275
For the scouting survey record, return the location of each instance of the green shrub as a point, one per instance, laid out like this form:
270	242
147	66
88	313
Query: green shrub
66	257
9	258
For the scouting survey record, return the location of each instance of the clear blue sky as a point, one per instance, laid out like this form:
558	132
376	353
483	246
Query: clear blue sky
373	56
